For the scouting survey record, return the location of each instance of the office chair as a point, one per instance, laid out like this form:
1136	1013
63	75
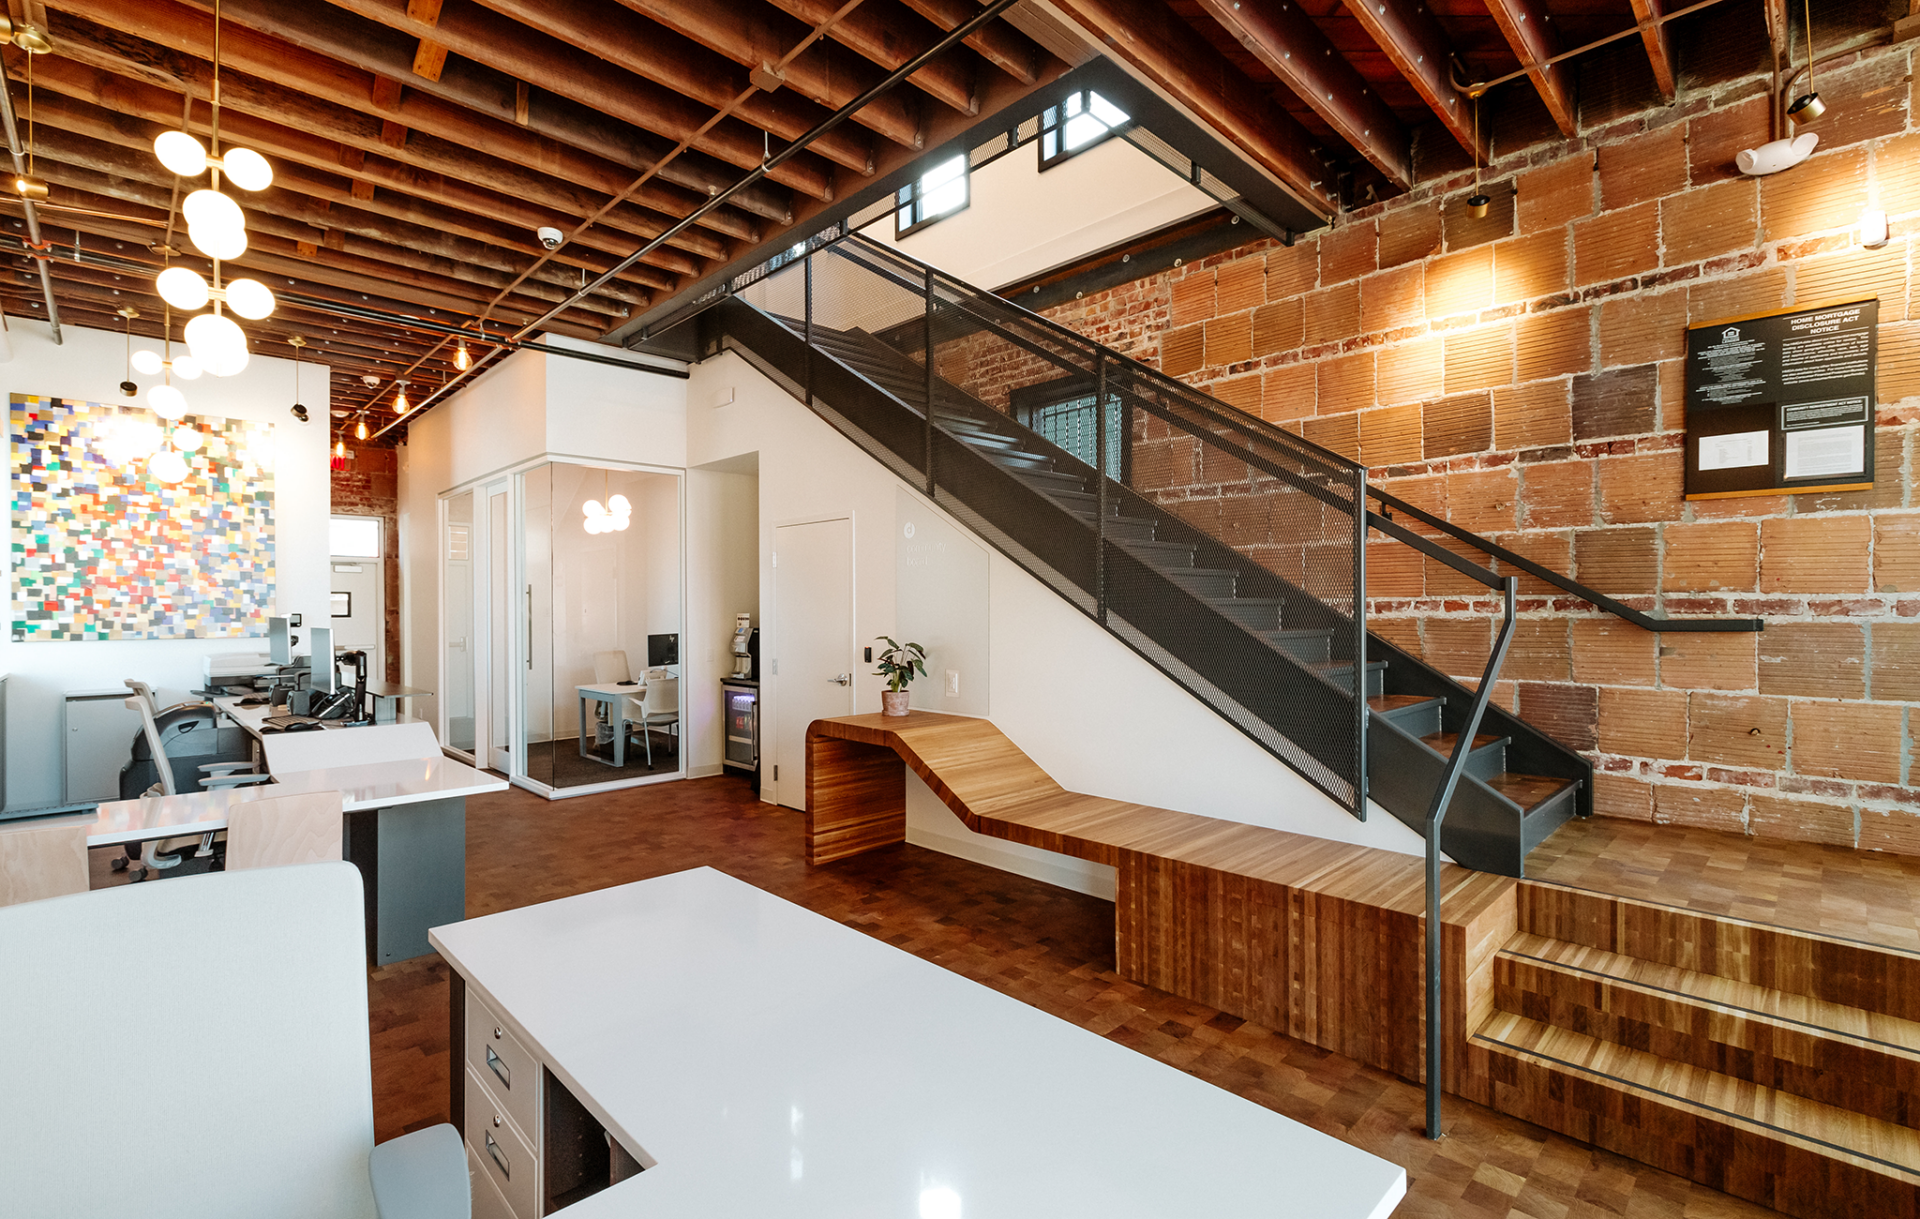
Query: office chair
659	704
213	776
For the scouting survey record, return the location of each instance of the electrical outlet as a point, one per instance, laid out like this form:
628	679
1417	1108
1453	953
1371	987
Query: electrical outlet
953	683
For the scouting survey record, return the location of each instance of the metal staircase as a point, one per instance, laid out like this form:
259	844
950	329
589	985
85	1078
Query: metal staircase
1270	636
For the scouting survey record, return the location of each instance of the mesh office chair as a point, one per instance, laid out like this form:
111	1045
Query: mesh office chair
213	776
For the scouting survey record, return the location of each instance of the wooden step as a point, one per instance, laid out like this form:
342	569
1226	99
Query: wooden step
1416	714
1762	1144
1864	1062
1487	758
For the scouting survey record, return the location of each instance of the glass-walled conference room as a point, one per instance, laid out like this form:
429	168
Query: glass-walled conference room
563	594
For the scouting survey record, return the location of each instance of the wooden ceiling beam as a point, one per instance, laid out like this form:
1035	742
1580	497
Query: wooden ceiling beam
627	122
541	40
112	108
268	258
999	43
302	89
61	166
1653	34
745	36
1179	59
887	33
1284	38
1419	49
1528	28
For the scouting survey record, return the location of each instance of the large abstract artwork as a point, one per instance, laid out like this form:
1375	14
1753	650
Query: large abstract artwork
104	550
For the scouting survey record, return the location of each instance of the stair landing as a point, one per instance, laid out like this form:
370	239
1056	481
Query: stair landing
1869	896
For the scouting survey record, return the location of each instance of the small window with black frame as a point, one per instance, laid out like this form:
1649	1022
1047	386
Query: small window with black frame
1066	414
1077	124
934	195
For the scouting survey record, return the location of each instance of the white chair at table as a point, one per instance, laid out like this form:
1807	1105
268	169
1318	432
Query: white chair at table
214	776
659	705
610	669
281	1126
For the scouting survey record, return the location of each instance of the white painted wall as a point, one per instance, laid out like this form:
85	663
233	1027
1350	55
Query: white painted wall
1085	707
723	540
90	365
1022	223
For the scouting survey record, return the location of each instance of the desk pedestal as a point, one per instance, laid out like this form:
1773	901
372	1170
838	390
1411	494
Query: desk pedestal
413	860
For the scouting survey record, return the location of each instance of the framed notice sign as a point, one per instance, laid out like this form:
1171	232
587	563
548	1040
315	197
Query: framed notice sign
1782	402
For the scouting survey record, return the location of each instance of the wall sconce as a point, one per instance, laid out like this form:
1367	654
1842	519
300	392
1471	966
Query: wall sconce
1773	157
1873	228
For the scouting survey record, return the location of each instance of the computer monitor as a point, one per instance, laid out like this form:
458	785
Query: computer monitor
279	642
326	674
663	650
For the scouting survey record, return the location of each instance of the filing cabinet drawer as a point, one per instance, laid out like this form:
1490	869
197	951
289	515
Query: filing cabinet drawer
509	1070
487	1202
503	1155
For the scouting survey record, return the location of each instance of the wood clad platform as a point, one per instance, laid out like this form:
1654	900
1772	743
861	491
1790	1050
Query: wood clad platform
1779	1063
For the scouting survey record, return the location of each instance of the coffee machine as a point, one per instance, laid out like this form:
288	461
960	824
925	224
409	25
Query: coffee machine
746	648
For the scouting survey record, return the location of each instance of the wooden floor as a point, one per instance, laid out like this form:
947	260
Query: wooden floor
1045	946
1838	891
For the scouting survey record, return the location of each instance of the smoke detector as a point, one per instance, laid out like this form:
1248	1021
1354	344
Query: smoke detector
369	380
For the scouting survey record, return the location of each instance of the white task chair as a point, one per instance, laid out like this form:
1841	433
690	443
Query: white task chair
214	776
280	1124
658	706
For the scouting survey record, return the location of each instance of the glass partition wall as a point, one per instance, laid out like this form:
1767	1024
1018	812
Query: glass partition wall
602	599
457	636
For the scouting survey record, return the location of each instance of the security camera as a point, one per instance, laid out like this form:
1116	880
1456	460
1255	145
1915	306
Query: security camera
549	236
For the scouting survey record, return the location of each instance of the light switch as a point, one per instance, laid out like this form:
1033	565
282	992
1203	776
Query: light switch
953	683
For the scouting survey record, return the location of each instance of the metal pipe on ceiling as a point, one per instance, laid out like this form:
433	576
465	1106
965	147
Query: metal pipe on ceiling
33	216
951	39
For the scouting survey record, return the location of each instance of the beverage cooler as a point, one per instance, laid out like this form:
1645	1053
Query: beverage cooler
740	699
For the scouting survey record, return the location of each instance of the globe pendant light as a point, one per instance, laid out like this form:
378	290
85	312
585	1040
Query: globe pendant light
166	466
219	344
167	402
215	225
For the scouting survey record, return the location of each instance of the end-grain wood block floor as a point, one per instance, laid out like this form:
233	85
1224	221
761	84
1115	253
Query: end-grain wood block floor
1042	945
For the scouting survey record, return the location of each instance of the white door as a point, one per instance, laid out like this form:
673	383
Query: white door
499	622
812	659
356	615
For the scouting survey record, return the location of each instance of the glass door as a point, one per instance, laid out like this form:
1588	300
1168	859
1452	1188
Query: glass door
602	569
457	623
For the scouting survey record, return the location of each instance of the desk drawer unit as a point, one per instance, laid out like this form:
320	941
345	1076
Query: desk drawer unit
505	1157
487	1201
510	1072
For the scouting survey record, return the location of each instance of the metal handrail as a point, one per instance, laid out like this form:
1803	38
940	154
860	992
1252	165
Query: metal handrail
1522	563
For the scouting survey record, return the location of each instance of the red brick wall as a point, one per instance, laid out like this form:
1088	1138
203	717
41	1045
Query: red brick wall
369	486
1521	375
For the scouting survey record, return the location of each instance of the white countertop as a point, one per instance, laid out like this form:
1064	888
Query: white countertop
368	785
772	1062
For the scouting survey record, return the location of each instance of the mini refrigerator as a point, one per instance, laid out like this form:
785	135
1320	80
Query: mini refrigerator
740	700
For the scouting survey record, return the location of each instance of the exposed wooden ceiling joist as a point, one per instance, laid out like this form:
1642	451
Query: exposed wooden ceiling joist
1413	40
1528	28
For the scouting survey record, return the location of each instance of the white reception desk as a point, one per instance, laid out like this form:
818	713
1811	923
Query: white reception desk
759	1059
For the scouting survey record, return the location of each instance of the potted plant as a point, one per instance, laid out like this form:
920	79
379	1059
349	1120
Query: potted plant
899	664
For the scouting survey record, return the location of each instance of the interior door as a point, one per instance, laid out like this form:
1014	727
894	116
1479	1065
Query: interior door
812	660
457	636
499	623
356	615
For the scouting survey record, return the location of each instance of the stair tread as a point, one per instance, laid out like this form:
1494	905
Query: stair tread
1890	1033
1834	1133
1527	791
1393	702
1443	741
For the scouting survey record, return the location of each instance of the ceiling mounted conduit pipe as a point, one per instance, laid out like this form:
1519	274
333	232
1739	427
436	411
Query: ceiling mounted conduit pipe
35	245
953	38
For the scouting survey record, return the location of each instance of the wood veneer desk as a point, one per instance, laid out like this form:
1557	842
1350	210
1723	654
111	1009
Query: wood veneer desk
406	830
760	1059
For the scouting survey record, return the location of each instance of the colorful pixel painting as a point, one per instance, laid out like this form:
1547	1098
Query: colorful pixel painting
103	551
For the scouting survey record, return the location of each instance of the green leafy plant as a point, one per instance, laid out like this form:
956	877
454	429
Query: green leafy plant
901	663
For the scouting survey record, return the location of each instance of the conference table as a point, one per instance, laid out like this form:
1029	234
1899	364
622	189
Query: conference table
405	820
691	1046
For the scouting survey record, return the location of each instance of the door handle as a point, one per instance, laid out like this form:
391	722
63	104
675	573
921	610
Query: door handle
845	679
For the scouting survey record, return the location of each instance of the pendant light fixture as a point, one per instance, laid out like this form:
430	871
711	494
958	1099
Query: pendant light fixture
461	360
163	399
297	342
218	229
400	403
613	516
1477	202
1807	108
360	428
128	388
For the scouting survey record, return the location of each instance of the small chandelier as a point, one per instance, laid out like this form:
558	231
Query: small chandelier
612	517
